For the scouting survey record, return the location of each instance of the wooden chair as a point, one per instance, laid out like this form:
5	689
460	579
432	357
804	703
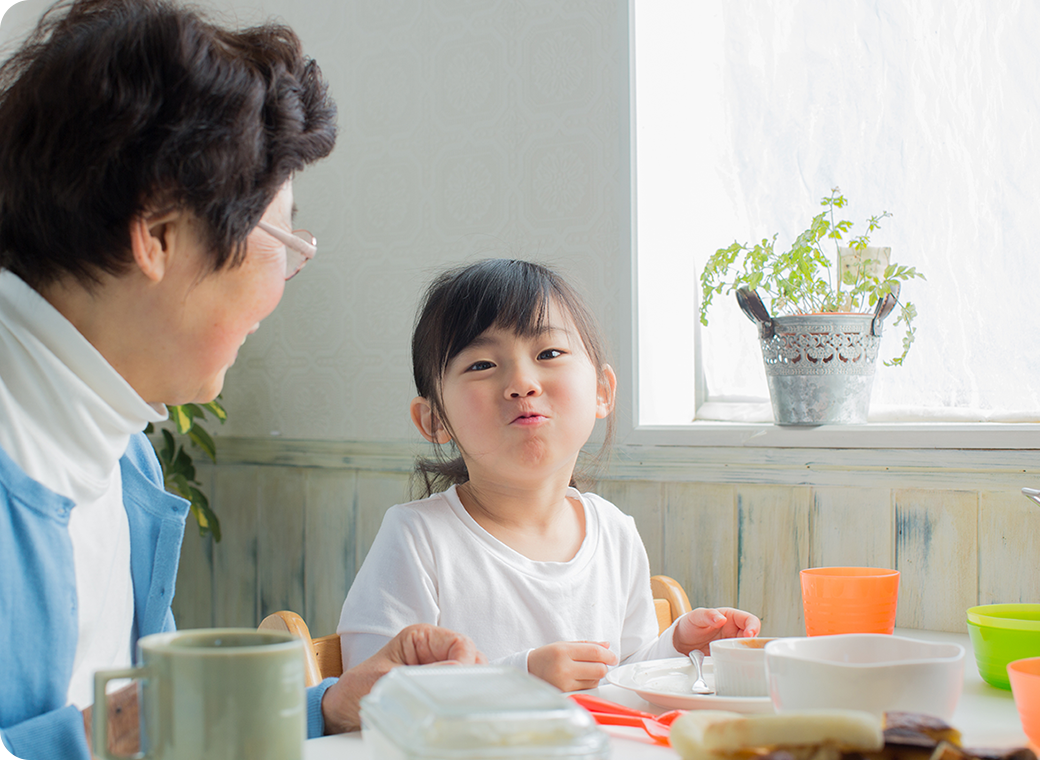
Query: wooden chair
670	601
323	658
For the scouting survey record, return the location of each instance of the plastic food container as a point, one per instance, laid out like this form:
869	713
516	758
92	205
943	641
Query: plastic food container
447	712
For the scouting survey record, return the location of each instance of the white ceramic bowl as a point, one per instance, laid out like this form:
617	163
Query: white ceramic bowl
740	667
874	672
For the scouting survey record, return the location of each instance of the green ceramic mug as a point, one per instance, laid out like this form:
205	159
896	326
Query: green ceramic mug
214	694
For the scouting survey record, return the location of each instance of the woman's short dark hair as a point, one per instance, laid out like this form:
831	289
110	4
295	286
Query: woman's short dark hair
458	307
115	108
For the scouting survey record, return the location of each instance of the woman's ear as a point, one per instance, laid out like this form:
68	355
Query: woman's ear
606	388
426	421
152	239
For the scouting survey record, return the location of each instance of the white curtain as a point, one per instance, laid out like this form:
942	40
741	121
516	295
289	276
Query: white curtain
927	109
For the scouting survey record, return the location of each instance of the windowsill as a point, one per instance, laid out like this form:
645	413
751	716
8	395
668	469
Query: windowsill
981	456
930	435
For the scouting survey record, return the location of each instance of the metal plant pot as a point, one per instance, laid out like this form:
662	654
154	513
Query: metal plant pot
819	367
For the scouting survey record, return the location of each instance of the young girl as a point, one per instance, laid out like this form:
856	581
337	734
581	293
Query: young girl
510	372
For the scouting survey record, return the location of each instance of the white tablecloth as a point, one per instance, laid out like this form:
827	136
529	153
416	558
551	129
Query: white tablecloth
985	716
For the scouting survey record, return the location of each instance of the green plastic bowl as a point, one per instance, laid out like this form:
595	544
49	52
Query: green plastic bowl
1002	633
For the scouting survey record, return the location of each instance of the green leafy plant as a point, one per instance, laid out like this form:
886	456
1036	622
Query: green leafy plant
177	465
802	280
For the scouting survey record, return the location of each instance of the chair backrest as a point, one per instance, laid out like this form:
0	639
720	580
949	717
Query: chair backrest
322	655
670	601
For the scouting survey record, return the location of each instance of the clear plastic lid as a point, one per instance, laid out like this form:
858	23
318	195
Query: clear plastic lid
482	711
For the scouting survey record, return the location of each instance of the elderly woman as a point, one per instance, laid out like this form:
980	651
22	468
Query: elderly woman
146	209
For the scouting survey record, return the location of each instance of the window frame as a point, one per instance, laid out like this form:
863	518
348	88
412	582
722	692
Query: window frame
895	438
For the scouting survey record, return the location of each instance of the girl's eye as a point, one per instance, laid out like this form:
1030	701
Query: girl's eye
477	366
550	353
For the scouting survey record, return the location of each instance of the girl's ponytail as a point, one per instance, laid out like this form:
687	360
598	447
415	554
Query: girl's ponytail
437	473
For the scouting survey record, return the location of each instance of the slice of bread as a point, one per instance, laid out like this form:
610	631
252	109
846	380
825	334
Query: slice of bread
805	735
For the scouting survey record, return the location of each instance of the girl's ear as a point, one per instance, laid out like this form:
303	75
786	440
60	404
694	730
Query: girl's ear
426	421
606	388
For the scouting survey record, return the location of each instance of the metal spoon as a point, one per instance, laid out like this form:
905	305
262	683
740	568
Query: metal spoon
699	686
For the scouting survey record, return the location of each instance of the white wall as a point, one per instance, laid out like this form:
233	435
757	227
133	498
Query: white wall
467	129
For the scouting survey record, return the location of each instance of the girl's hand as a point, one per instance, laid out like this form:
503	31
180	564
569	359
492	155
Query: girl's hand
699	627
571	665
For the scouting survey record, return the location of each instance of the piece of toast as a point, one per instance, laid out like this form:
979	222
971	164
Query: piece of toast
825	735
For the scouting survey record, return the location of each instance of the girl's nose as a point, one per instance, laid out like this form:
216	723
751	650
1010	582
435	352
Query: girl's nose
522	385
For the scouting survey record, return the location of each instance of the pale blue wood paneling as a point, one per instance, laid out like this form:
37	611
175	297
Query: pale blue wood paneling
330	540
280	539
294	537
700	541
773	547
852	527
1009	544
937	557
236	499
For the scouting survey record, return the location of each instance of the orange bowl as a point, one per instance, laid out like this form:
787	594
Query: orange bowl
849	600
1025	687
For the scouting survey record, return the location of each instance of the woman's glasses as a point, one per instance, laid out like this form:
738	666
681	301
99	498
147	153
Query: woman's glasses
300	247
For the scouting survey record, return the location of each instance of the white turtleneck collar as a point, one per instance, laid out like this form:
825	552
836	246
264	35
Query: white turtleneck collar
66	416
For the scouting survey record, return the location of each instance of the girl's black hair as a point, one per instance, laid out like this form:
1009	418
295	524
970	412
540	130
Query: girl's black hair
459	306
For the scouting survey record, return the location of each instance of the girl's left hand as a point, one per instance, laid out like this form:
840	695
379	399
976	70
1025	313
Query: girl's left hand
698	628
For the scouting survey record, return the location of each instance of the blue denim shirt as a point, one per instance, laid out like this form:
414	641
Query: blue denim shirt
38	623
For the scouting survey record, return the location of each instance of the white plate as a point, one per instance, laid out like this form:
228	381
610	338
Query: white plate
666	683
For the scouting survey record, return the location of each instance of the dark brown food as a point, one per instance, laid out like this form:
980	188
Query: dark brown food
908	728
915	736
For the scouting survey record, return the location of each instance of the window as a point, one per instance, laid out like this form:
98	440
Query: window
748	113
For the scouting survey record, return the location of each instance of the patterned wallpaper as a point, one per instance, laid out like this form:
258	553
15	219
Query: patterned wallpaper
468	128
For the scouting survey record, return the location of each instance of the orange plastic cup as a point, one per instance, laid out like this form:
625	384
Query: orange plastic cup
849	600
1025	687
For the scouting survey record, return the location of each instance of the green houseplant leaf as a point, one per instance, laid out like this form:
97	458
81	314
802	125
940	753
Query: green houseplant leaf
179	475
803	280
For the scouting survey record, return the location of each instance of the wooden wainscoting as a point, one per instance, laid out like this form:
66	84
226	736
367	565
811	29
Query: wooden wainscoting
298	519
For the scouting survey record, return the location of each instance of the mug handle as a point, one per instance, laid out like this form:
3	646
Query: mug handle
99	722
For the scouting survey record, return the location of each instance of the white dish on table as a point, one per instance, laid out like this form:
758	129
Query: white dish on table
875	672
666	683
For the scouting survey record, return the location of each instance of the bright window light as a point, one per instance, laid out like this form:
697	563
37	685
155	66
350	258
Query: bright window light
748	113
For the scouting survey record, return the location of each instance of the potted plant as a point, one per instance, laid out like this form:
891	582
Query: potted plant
821	332
178	468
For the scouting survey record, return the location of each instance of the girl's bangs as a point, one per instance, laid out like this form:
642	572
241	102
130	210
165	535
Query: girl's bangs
516	300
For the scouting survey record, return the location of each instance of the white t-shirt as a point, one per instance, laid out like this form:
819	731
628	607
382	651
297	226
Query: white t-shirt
66	417
431	562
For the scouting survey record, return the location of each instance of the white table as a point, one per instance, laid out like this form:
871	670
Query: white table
985	716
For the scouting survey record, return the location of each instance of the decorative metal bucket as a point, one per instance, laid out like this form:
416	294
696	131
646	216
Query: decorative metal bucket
819	367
